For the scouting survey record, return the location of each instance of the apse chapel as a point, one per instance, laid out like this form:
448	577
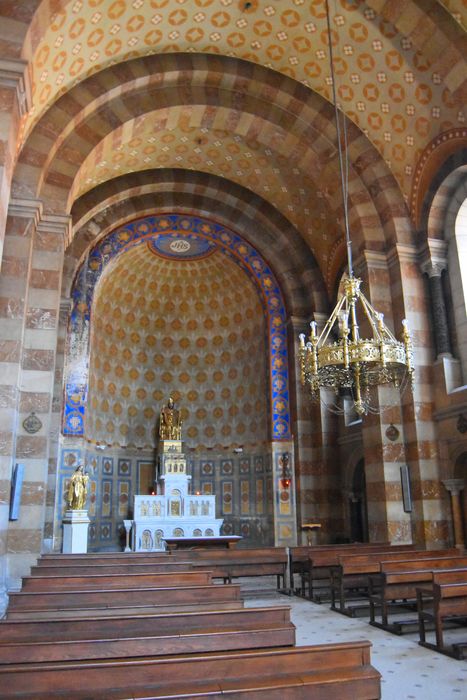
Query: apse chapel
179	199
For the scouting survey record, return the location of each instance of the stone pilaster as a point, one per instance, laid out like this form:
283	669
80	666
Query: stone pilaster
285	522
428	518
317	463
30	286
15	101
15	273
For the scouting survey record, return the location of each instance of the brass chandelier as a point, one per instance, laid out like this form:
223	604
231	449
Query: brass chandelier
352	365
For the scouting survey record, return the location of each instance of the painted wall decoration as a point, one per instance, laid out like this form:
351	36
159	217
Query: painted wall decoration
184	244
244	495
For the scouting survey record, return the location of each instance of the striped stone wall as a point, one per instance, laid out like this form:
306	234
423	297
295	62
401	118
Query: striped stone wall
30	284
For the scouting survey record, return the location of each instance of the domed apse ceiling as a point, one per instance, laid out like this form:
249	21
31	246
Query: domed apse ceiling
398	65
193	328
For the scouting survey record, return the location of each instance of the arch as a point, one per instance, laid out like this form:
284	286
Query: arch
443	220
138	194
158	230
50	159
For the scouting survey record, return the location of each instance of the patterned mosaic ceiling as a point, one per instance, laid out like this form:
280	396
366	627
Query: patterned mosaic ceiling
175	327
396	70
249	163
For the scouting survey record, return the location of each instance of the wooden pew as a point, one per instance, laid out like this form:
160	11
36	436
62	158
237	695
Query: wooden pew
234	563
313	564
352	576
326	672
98	568
224	563
100	581
145	635
444	600
129	599
397	584
107	558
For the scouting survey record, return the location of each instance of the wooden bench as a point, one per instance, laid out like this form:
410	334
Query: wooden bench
109	582
124	599
107	558
98	568
221	542
145	635
444	600
397	583
229	564
354	574
225	563
326	672
313	565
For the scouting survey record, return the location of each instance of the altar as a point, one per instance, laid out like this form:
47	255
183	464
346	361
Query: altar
173	512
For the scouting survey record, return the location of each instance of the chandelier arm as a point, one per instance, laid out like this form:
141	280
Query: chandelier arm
331	321
370	313
366	305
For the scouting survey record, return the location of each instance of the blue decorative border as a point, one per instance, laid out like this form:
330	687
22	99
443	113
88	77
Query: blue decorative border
156	231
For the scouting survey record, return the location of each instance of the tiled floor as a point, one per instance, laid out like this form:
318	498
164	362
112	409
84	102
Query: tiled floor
408	670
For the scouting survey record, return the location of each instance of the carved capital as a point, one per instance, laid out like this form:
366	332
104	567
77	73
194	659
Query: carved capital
433	257
432	268
454	486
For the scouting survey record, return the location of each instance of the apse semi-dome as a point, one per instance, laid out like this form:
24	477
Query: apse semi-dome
194	328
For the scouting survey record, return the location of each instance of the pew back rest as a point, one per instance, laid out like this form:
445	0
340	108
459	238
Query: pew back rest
451	576
333	557
428	563
116	581
371	562
305	552
450	591
164	672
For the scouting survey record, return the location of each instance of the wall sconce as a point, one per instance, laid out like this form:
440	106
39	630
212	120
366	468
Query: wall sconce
286	477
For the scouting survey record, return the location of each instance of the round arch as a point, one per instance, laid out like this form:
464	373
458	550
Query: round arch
159	230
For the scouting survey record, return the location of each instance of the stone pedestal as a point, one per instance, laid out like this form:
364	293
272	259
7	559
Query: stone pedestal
75	532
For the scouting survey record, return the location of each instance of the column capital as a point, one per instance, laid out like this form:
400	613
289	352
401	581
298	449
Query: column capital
26	209
15	75
297	323
61	224
370	260
402	252
454	486
433	257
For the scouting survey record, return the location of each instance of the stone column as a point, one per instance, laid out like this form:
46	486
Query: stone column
22	220
30	284
317	458
454	487
383	456
15	102
428	517
438	306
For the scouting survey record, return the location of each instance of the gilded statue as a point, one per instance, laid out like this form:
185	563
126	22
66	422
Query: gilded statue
77	489
170	423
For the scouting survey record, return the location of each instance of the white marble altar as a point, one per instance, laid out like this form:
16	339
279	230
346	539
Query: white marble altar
173	512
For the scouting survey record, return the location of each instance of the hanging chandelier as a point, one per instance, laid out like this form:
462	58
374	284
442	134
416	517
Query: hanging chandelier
349	364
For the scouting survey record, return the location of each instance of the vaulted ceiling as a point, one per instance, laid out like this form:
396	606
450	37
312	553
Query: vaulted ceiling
239	93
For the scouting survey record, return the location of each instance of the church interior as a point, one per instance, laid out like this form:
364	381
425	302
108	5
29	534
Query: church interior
177	181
